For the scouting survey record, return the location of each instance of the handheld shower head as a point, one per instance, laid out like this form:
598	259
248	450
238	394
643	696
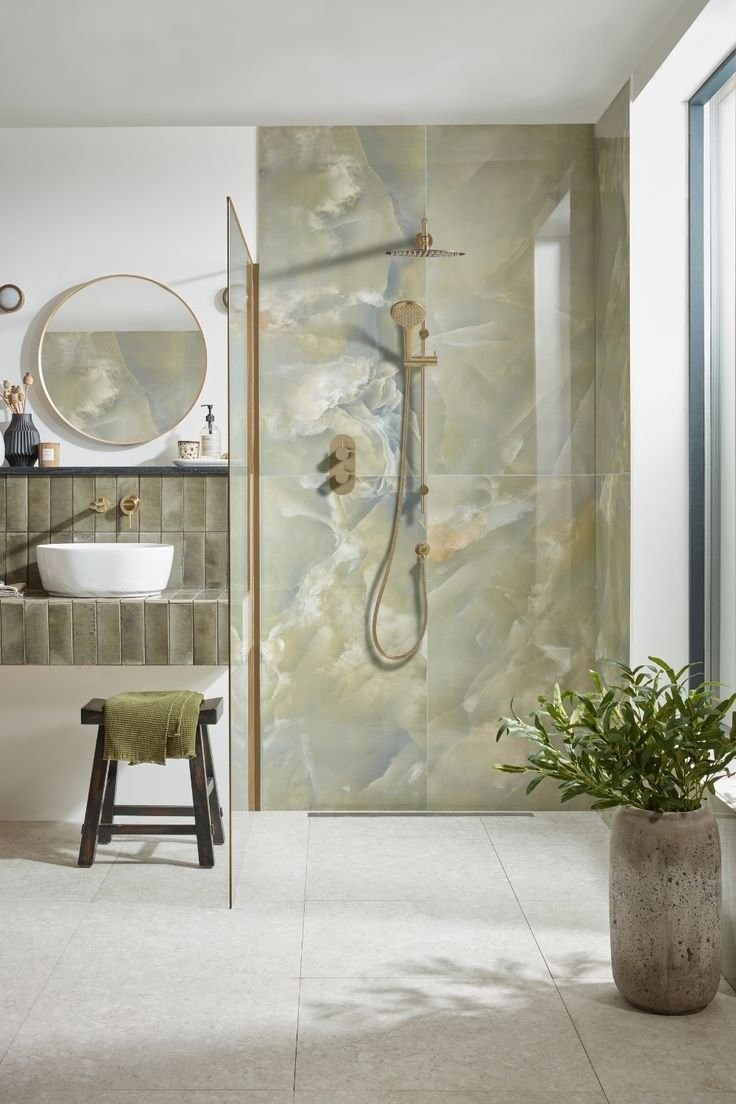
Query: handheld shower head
408	314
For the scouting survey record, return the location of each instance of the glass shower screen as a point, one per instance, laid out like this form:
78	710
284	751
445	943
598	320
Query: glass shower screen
242	286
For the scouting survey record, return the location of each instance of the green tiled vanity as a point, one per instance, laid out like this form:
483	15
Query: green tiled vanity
188	624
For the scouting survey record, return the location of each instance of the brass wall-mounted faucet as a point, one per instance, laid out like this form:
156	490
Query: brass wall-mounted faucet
100	505
129	506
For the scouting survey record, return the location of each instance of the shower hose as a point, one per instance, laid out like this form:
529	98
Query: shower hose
421	549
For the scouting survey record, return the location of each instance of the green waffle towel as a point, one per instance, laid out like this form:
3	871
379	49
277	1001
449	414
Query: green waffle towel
149	726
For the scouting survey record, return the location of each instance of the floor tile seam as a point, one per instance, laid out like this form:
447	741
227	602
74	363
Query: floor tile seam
51	971
551	975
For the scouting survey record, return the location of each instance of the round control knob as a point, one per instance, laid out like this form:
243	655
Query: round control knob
342	452
424	489
341	476
422	550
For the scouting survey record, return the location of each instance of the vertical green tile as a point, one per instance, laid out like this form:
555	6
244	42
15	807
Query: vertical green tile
223	631
215	559
39	504
16	557
127	485
132	648
60	631
62	506
193	563
150	509
3	483
11	617
84	631
37	630
108	632
83	492
176	579
2	555
181	633
194	514
106	487
172	503
88	538
215	503
16	503
156	618
205	632
34	575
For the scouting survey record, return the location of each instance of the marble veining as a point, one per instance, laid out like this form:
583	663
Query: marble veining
511	453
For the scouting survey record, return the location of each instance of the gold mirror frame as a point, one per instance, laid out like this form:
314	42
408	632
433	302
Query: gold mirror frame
57	307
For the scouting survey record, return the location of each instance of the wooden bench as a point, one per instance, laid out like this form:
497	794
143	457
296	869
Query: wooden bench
99	819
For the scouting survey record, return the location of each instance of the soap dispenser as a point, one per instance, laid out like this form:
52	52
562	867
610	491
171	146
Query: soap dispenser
210	446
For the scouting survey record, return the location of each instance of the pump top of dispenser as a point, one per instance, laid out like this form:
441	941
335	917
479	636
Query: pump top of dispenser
210	419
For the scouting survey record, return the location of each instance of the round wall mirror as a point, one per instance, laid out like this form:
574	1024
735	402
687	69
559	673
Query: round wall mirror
122	359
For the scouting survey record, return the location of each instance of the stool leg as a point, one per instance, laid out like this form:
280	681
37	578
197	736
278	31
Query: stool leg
198	777
218	832
94	803
108	803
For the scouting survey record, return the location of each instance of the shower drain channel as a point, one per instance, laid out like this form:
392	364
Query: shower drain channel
448	813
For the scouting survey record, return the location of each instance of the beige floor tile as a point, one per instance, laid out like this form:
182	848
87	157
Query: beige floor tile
173	942
11	1092
480	1034
166	871
273	858
573	935
428	936
358	1096
153	1033
38	860
637	1053
401	858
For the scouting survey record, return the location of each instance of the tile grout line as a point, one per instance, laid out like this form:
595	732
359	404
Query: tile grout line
42	990
301	958
544	960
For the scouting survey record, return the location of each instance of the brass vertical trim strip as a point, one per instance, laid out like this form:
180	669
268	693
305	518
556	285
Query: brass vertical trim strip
254	541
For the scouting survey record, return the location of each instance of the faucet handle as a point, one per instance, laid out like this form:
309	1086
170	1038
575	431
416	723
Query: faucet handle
100	505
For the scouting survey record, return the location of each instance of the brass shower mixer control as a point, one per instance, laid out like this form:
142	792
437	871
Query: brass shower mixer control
342	464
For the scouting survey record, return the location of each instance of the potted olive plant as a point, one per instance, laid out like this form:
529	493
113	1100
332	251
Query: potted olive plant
653	747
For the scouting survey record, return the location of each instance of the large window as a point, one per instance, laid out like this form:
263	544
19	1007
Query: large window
713	376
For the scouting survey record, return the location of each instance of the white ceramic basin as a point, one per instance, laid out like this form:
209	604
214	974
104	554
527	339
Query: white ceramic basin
105	570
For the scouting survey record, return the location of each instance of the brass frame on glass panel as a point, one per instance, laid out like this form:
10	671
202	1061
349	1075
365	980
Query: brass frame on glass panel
253	536
57	307
254	540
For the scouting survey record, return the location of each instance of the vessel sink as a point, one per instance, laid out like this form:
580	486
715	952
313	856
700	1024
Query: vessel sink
105	570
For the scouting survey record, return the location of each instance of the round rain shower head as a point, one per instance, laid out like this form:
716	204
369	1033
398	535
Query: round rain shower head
408	313
423	247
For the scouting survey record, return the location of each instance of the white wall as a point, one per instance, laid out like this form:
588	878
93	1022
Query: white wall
46	755
659	335
75	204
83	202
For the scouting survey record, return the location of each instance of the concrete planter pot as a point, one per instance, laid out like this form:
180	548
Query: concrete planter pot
665	900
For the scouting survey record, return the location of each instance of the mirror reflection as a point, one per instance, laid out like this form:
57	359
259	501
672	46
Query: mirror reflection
122	359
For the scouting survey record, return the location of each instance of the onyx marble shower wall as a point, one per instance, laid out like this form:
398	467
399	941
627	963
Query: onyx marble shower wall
613	465
511	453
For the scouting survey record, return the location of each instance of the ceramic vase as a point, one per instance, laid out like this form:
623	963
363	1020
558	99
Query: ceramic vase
21	441
665	901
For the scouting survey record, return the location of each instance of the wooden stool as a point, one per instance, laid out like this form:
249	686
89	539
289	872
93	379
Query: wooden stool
99	819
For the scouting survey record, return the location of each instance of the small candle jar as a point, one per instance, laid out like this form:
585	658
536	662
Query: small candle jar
48	454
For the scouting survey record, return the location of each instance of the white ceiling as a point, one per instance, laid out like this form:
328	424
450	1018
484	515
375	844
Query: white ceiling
232	62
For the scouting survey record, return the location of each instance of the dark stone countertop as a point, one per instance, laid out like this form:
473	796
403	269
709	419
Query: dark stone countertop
112	469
